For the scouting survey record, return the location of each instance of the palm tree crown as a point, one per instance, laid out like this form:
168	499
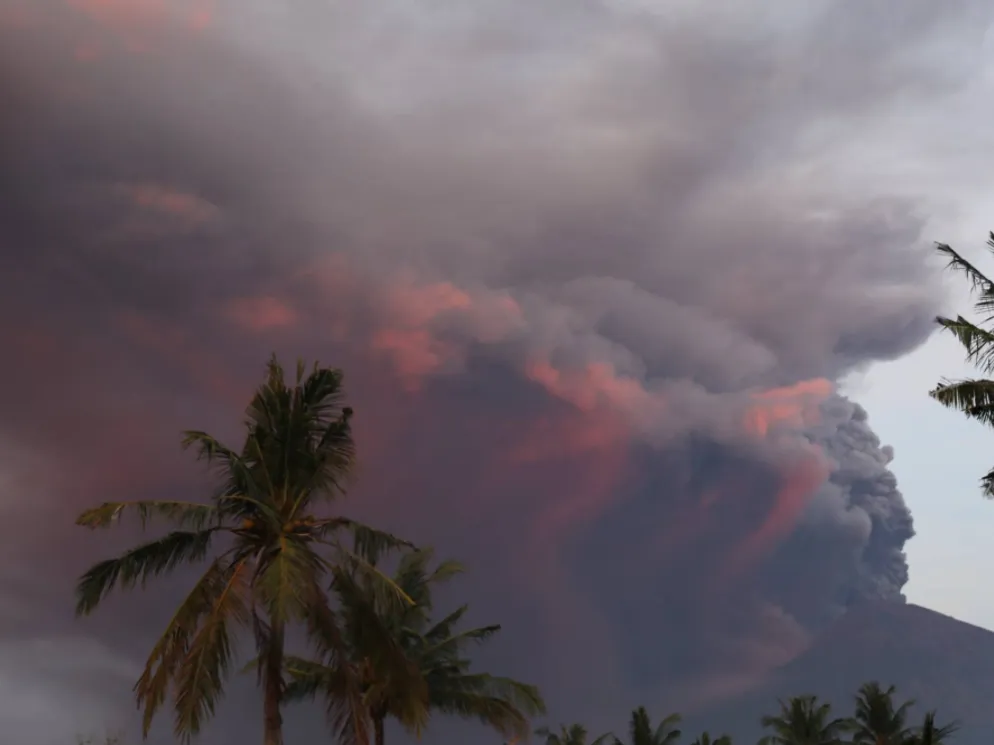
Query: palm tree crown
972	396
569	734
705	739
803	720
641	732
929	733
421	666
877	720
266	551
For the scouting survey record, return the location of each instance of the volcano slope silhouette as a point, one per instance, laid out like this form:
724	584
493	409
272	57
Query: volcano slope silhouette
942	663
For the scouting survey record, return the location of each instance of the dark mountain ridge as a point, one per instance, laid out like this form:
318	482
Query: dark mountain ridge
938	661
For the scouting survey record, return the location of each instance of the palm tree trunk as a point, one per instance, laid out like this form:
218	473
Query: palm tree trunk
378	732
273	689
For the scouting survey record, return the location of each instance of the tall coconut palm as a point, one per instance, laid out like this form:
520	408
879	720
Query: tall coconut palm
972	396
434	651
878	721
266	550
641	731
803	720
569	734
931	734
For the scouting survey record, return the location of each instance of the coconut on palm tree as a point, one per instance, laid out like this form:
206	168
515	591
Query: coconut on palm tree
803	720
431	674
267	553
569	734
972	396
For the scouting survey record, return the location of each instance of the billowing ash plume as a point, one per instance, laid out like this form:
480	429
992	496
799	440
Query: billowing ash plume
593	269
862	495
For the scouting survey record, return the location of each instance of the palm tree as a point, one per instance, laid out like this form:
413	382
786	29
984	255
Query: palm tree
877	720
803	720
640	729
705	739
929	733
974	397
266	552
572	734
434	651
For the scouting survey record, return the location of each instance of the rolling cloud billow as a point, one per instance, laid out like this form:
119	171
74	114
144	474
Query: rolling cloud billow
593	269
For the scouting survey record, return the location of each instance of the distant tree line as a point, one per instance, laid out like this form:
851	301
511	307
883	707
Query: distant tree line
802	720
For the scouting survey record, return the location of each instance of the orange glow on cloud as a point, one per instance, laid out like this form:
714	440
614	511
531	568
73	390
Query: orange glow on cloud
411	308
131	15
415	353
558	437
418	305
590	454
594	385
794	406
20	15
413	349
799	481
137	26
87	52
262	313
180	204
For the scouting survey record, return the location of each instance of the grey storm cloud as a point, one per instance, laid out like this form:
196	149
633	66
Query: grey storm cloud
571	222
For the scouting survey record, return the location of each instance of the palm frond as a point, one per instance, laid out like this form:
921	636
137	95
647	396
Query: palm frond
452	644
185	514
367	542
446	570
500	703
978	342
956	262
308	678
200	679
373	636
334	458
246	482
140	564
975	398
666	732
445	628
980	283
803	719
171	648
348	716
302	434
209	448
389	597
931	734
346	709
285	578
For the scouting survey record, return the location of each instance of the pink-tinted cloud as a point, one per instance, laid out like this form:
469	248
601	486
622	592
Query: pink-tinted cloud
411	310
800	480
560	365
262	314
169	201
140	19
596	446
795	406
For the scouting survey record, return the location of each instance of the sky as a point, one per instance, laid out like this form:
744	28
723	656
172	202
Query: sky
632	298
